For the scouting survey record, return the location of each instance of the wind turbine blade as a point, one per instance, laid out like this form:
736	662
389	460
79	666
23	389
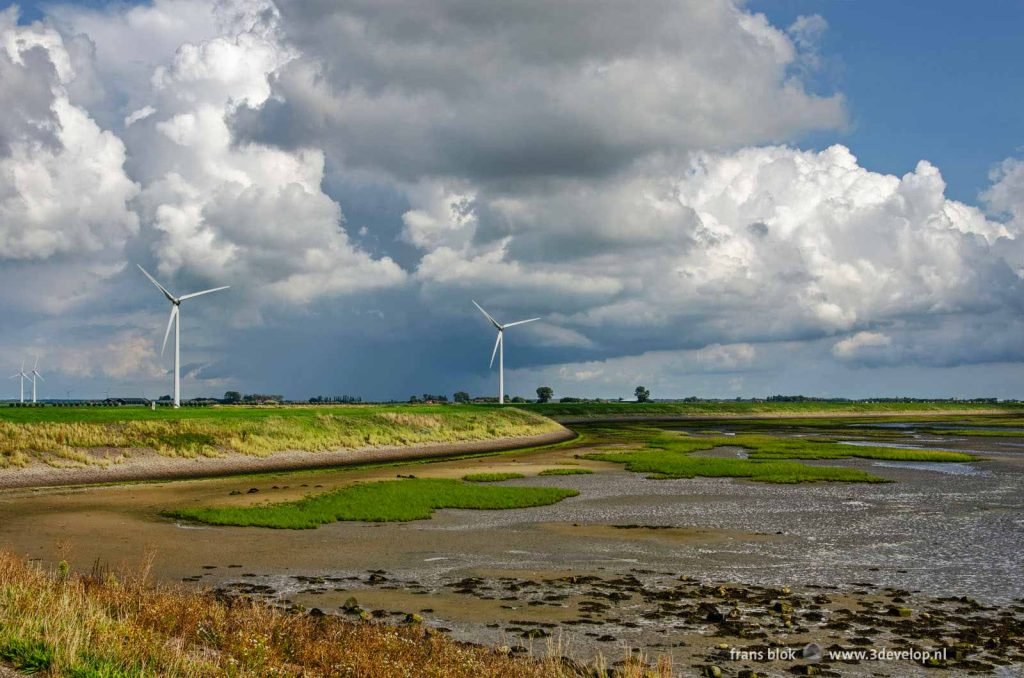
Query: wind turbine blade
199	294
495	351
487	315
170	321
170	297
36	365
521	322
38	375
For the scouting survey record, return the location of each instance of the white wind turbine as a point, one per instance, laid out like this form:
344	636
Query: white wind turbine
175	320
35	373
499	348
21	373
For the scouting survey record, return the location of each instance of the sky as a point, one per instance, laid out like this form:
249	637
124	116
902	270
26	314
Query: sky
704	197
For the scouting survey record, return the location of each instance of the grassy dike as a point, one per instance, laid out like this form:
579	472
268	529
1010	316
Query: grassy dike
72	436
103	625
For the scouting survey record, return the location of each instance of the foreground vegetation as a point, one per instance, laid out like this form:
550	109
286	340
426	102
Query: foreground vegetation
383	501
69	436
674	454
109	626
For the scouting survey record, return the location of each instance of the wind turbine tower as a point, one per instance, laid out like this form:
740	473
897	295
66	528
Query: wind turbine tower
175	319
21	373
499	348
35	373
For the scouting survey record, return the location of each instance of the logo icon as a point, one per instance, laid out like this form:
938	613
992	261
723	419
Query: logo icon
812	652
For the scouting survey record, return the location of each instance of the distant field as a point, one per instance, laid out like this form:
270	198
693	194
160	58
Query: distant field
738	408
73	436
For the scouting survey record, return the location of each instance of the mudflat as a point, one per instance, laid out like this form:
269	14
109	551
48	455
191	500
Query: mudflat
690	568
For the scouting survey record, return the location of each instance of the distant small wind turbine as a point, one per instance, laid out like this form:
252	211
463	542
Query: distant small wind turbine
175	320
21	373
35	373
499	348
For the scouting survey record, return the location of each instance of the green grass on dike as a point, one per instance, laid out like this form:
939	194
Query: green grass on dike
669	454
491	477
67	434
382	501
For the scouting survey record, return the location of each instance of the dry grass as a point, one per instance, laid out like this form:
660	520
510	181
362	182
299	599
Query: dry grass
118	625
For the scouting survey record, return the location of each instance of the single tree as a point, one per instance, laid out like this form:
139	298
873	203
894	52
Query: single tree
642	394
232	397
544	394
461	397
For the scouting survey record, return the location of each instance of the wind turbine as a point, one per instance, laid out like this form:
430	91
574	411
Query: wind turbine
499	348
175	320
21	373
35	373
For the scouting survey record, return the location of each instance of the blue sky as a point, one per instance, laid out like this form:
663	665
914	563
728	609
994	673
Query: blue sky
936	80
693	196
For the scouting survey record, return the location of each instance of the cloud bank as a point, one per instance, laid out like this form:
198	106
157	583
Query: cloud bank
633	175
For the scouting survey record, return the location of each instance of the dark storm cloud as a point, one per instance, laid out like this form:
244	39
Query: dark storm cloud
496	91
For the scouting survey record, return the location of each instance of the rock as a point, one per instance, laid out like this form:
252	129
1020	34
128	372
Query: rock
535	633
805	670
316	612
713	672
782	607
710	612
252	490
365	616
413	618
350	604
899	611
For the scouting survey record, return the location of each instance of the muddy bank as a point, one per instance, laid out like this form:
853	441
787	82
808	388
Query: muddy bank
737	628
152	466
